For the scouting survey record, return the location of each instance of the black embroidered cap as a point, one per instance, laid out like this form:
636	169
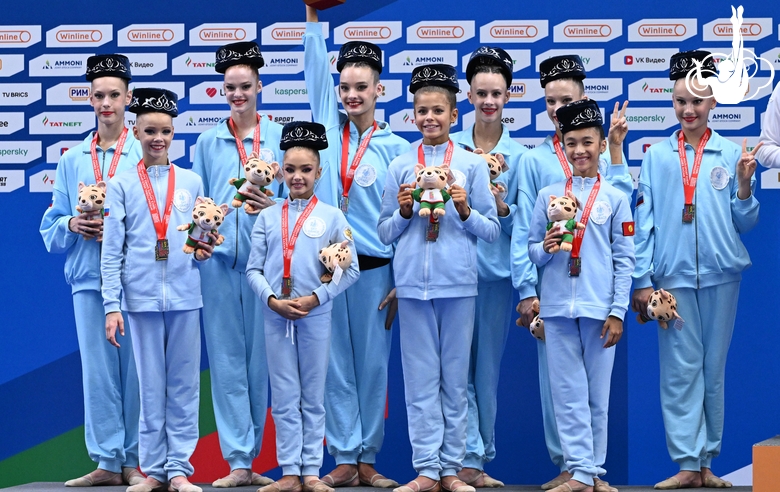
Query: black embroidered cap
490	55
360	51
685	61
561	67
438	74
579	114
303	134
108	66
242	53
151	100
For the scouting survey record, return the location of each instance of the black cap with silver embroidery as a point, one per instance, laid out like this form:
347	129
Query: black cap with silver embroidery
303	134
360	51
490	55
242	53
440	75
561	67
685	61
579	114
108	66
150	100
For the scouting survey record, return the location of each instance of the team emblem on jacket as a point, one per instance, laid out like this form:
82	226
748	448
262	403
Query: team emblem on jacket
719	177
182	200
365	175
314	227
601	212
459	176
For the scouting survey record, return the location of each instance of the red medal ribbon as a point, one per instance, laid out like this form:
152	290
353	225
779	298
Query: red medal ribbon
580	233
288	243
561	156
114	160
348	175
240	142
447	154
689	183
160	225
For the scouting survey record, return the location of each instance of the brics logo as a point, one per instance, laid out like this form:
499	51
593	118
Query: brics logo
80	93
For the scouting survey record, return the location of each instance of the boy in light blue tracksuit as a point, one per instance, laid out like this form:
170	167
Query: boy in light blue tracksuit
698	258
356	387
436	280
143	263
232	316
284	271
489	73
110	382
561	77
584	297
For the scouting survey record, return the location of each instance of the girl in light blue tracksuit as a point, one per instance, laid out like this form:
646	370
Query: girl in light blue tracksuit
159	287
489	73
109	377
356	387
232	315
297	310
700	262
561	78
584	300
436	281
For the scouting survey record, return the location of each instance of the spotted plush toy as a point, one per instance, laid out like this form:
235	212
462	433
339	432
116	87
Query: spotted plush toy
496	165
259	173
335	255
561	212
91	199
662	307
207	216
537	324
431	193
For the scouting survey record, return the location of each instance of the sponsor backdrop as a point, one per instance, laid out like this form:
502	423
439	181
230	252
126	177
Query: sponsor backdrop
626	48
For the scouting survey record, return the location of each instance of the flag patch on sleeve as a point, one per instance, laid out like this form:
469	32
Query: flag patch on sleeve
628	228
640	198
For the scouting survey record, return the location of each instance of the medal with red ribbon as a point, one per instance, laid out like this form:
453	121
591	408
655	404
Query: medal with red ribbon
160	224
240	142
288	242
348	175
689	182
114	160
432	231
575	262
561	156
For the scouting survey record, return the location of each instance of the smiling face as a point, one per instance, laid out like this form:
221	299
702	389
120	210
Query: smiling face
359	89
488	94
691	108
559	93
583	148
434	114
154	131
301	168
241	89
108	98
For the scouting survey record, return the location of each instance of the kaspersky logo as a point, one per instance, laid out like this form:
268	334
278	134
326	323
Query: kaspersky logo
656	90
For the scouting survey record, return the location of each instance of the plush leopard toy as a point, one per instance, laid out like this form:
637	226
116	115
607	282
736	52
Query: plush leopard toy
662	307
431	193
561	212
259	173
91	199
496	166
207	216
335	255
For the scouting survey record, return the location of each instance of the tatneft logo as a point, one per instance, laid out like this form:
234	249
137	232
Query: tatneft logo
641	60
19	36
445	32
42	181
657	90
651	89
63	122
584	31
193	64
150	35
649	30
376	32
79	35
514	31
219	34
